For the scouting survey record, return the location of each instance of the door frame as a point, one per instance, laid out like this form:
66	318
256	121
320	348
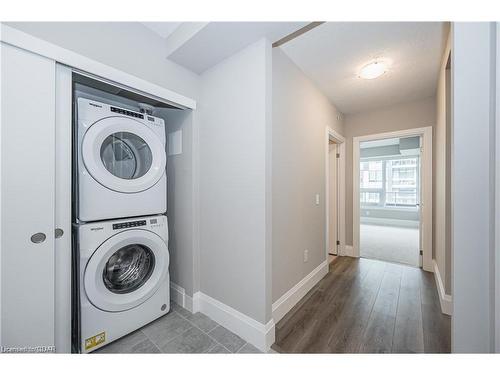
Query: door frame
334	136
425	185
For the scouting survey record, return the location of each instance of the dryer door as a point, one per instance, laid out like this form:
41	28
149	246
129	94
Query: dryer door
123	154
126	270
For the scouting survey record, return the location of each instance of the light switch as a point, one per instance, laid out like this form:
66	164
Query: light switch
317	199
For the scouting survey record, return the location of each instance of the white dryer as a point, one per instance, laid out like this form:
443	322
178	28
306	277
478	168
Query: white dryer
121	162
123	277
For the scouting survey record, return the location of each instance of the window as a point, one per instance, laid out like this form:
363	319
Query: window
371	175
387	182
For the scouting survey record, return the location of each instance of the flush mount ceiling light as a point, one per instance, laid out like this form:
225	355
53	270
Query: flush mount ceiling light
373	70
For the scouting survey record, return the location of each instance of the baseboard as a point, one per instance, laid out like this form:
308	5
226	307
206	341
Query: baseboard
288	300
258	334
179	296
444	299
348	251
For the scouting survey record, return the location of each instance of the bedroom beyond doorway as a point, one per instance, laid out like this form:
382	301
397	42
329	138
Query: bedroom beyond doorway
390	200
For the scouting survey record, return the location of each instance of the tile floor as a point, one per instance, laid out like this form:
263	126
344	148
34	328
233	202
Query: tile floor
180	331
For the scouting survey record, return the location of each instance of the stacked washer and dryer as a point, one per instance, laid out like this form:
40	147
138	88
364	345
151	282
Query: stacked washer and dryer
121	231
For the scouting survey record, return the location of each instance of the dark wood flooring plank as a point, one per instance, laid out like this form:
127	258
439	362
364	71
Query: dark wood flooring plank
408	332
348	333
297	320
334	291
296	327
328	318
436	325
367	306
379	331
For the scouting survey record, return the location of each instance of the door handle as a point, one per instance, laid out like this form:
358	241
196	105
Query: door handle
58	233
38	237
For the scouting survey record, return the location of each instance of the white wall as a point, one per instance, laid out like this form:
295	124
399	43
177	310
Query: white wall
181	197
234	109
301	114
415	114
473	187
127	46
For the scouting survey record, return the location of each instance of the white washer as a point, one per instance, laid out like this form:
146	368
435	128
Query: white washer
123	277
121	162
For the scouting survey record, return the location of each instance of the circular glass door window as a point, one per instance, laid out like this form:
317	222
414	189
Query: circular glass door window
126	155
128	269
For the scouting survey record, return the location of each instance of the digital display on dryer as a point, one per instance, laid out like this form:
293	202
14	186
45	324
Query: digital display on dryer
129	224
127	113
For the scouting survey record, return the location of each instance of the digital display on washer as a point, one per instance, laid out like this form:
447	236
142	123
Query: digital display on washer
129	224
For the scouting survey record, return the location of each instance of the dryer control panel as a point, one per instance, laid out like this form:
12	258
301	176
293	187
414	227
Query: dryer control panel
129	224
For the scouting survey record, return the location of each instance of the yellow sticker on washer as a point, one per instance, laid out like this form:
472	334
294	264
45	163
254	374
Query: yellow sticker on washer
95	340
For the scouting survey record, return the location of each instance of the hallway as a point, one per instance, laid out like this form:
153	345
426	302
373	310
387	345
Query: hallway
367	306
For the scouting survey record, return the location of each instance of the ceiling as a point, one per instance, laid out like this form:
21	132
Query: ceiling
163	29
199	46
379	143
333	53
216	41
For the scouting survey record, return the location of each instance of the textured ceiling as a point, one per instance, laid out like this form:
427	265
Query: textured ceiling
332	55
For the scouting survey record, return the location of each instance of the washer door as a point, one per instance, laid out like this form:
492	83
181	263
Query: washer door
126	270
123	154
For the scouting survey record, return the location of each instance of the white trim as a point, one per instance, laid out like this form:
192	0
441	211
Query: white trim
497	196
444	299
258	334
331	134
426	182
349	251
41	47
179	296
62	318
196	302
288	300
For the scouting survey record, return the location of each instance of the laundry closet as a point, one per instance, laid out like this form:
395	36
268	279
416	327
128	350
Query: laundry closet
89	156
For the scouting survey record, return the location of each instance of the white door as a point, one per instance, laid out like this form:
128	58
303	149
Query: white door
333	200
27	164
126	270
123	154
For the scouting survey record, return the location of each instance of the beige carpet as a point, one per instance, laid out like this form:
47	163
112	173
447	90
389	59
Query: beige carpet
393	244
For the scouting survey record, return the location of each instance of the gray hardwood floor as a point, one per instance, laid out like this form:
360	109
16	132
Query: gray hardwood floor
367	306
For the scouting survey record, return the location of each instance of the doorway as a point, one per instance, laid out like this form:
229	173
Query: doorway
335	195
392	197
389	186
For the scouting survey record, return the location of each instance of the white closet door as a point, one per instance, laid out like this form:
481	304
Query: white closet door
27	162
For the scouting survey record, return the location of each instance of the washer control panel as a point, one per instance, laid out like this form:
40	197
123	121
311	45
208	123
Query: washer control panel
129	224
